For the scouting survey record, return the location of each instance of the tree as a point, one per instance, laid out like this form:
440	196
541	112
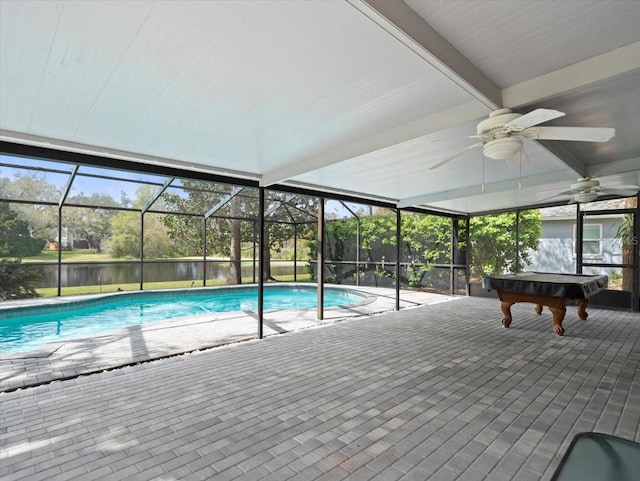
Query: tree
15	238
185	227
18	281
125	236
92	223
41	218
493	242
426	240
285	213
126	231
233	223
340	243
235	249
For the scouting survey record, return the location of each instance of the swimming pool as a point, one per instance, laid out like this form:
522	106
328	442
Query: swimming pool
28	328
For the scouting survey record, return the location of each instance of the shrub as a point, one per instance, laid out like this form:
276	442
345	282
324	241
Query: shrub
17	280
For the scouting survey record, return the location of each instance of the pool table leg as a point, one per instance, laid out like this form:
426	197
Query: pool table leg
582	309
506	312
558	317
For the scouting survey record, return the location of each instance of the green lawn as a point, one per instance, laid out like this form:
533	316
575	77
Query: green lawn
77	256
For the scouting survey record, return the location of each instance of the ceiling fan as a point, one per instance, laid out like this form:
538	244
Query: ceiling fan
500	133
587	189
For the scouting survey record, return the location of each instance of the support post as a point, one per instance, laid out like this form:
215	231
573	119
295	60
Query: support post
467	255
518	241
295	252
357	251
635	242
452	257
59	250
141	251
398	255
579	237
63	198
261	264
320	263
254	251
204	252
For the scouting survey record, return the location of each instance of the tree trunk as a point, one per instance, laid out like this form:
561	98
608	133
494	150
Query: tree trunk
235	254
627	247
266	252
97	245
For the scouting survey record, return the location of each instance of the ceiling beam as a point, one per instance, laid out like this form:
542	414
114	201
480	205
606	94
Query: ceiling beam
625	166
595	69
397	135
579	75
492	188
412	30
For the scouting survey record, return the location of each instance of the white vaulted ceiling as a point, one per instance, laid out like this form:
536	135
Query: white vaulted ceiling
357	97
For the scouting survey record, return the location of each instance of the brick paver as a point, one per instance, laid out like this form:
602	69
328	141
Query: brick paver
435	392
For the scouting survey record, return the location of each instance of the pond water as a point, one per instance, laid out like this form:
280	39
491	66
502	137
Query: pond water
129	272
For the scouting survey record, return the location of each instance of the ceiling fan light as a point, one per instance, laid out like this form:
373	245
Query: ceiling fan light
503	148
583	197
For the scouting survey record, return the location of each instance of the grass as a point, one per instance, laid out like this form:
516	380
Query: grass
95	289
77	256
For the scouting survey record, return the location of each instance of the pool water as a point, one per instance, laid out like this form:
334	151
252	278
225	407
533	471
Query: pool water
25	329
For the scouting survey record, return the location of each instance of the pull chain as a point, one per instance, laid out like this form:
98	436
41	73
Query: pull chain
520	177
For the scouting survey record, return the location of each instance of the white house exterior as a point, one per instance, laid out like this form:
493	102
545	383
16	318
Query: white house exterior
556	250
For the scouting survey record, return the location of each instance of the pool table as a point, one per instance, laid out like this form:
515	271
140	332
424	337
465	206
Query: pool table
545	289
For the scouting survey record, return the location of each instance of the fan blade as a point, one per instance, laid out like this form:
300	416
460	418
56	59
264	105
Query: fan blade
585	134
534	117
479	144
620	191
448	139
557	196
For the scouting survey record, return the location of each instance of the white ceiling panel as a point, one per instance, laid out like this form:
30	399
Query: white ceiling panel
253	85
19	80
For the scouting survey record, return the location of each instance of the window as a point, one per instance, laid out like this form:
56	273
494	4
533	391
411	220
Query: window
591	241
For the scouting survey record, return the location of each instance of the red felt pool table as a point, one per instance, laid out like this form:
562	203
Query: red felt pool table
544	289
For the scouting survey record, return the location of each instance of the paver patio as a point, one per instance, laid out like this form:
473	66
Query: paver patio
435	392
